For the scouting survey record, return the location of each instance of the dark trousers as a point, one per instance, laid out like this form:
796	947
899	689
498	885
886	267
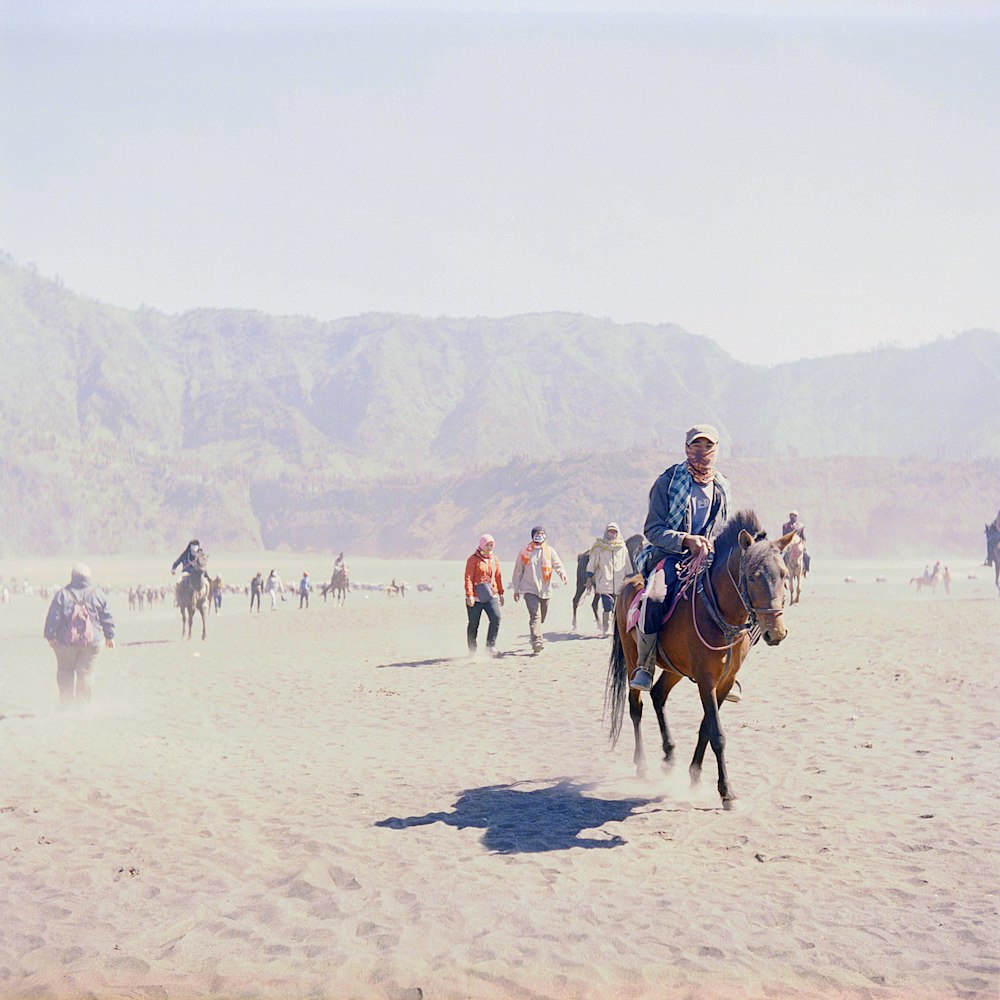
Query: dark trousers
255	596
660	589
492	609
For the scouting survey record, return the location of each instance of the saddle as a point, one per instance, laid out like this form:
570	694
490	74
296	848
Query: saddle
666	590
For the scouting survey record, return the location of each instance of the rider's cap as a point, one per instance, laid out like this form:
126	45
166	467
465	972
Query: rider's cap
81	571
611	526
485	540
537	530
793	513
702	431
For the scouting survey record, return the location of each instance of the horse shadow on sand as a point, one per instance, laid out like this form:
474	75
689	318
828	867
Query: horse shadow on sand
516	820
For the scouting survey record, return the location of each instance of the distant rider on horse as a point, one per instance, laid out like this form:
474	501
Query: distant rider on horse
992	537
687	502
796	524
188	559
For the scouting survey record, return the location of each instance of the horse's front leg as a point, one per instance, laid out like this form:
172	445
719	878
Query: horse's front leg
710	732
202	610
635	713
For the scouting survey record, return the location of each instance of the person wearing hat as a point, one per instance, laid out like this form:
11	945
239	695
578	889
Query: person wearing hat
532	578
483	593
77	620
607	567
686	503
794	523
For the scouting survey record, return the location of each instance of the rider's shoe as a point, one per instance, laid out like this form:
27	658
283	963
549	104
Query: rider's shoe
642	680
735	693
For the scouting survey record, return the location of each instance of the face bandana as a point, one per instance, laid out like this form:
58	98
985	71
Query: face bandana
701	462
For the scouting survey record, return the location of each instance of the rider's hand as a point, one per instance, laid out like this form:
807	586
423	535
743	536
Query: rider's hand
697	545
470	601
173	571
109	643
501	600
517	597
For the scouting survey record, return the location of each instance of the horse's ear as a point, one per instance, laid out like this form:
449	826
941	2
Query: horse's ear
746	539
785	540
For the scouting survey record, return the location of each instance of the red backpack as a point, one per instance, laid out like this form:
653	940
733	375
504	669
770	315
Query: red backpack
78	628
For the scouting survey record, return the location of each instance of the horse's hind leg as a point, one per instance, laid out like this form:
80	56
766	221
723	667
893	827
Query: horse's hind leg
635	714
659	696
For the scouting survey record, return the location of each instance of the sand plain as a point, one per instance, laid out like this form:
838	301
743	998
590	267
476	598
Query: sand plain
335	802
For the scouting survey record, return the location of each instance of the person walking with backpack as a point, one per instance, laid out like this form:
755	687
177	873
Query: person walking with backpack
78	620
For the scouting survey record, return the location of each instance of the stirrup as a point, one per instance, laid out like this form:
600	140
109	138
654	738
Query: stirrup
642	680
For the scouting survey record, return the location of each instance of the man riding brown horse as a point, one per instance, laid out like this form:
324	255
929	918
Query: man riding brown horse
685	504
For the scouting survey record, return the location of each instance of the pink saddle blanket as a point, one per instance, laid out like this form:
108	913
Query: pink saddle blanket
635	607
632	619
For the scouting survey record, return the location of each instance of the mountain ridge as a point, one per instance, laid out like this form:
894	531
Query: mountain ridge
233	423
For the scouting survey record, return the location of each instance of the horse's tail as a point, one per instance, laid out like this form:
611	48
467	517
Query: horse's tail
616	687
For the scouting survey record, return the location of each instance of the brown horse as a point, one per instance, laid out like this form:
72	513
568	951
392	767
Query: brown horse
929	579
727	607
795	564
192	594
339	585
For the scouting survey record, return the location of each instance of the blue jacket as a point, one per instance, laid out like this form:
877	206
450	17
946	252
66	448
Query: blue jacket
66	599
670	515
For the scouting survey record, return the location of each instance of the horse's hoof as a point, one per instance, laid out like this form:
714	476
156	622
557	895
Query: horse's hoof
727	804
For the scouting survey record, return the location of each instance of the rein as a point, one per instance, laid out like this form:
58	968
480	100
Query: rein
732	634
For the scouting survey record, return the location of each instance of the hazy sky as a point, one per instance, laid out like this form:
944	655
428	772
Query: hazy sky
788	179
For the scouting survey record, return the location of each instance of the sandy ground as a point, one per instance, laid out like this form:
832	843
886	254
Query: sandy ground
335	802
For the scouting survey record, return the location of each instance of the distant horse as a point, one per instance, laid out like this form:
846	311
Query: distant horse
339	585
633	543
993	553
192	595
738	599
795	564
929	579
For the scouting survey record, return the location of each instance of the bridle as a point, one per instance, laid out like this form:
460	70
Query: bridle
731	633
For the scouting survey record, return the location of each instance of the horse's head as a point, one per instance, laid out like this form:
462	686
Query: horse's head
763	573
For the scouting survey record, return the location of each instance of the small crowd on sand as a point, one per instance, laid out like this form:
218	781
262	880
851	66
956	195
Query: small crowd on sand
688	505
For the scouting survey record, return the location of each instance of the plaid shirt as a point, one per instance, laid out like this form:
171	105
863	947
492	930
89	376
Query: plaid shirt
669	517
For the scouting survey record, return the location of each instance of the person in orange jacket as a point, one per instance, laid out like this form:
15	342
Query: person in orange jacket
483	593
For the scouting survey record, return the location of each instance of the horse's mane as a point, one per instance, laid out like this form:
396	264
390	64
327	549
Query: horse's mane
728	535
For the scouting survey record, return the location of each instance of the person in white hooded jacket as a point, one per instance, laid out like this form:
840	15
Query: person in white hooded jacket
607	568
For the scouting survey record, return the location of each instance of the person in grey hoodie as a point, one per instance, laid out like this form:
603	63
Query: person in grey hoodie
77	621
